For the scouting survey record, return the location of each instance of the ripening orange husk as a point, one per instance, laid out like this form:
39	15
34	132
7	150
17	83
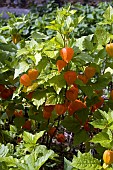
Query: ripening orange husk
60	109
18	113
83	78
70	77
72	93
67	54
25	80
75	106
60	138
33	74
89	72
52	131
98	104
46	115
16	38
49	108
109	49
60	65
108	157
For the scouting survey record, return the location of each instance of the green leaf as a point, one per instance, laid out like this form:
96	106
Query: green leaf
79	42
19	121
103	139
102	81
8	47
81	136
52	54
30	161
59	39
88	90
67	164
53	98
101	35
84	57
41	160
86	161
22	51
57	82
39	35
13	129
71	124
30	138
39	98
42	64
108	13
22	67
99	123
88	44
10	161
3	150
38	57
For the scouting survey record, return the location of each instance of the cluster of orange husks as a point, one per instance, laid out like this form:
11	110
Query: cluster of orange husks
72	103
26	79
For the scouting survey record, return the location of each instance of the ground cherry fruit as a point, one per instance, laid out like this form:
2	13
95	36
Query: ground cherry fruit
46	115
60	109
33	74
60	65
25	80
16	38
75	106
72	93
2	87
83	78
18	113
49	108
90	72
6	93
108	157
27	125
67	54
60	138
98	104
109	49
70	77
52	131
